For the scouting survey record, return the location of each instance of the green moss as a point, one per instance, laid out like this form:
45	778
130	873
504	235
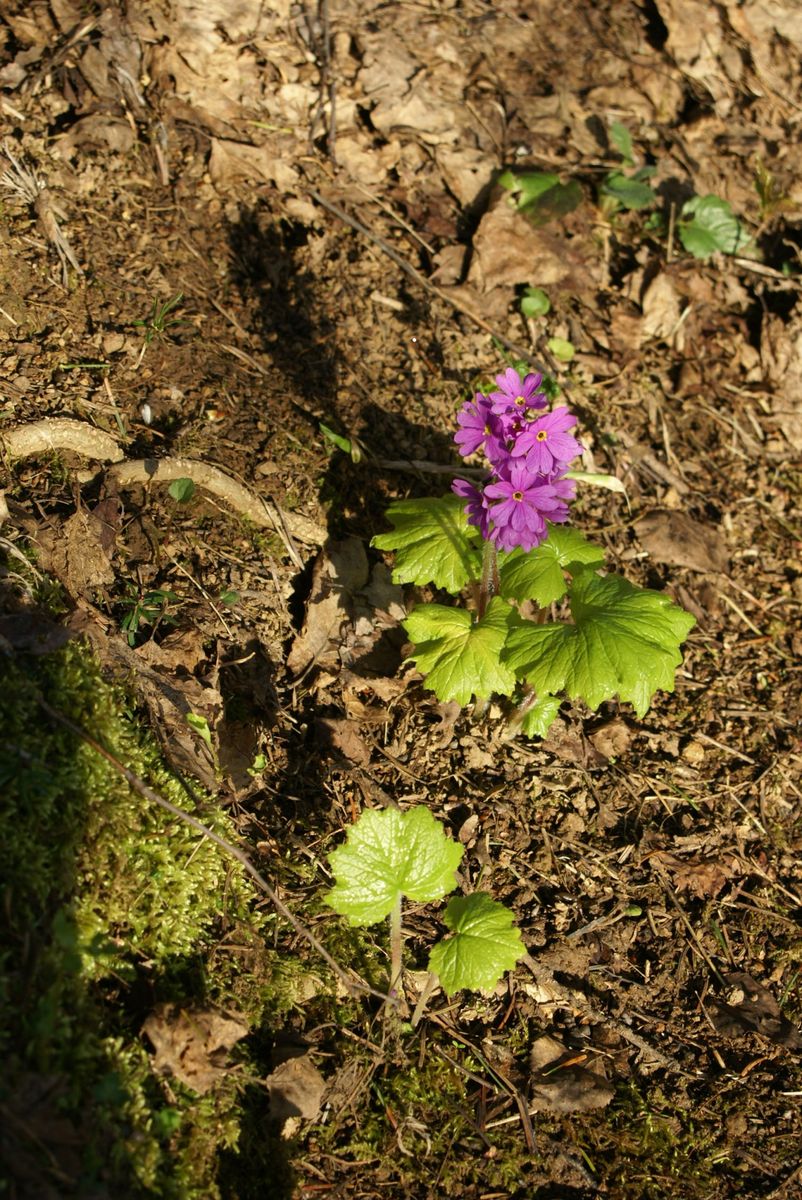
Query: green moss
111	907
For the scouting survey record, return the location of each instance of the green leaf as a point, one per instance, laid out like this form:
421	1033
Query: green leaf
433	543
181	490
708	224
625	642
201	727
538	720
342	443
562	349
535	302
622	140
484	945
459	656
611	482
389	854
528	185
538	575
552	203
630	193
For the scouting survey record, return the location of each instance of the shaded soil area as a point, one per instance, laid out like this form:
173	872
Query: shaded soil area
231	231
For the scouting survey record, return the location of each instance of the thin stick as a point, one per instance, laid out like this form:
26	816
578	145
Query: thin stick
354	985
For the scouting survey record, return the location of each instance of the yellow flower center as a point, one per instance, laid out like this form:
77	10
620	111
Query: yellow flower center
519	400
542	435
517	495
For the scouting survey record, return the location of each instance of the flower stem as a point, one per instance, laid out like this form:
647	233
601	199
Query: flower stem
489	583
396	966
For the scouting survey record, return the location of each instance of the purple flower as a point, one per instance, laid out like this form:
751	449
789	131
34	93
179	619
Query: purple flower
476	508
523	504
546	443
476	424
516	395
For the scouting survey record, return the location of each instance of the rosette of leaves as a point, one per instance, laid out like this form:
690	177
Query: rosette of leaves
616	639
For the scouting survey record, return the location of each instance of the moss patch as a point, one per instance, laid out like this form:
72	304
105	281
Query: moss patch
111	907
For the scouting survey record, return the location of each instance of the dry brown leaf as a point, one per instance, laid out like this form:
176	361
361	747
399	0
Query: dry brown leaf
230	161
562	1082
751	1008
698	44
193	1044
80	553
677	539
338	573
509	250
661	309
345	737
296	1089
612	739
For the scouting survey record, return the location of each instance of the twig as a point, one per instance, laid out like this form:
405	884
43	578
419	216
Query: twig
354	985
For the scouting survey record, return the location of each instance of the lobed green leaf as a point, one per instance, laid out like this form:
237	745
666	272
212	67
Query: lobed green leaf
625	642
389	854
459	656
538	574
484	945
433	543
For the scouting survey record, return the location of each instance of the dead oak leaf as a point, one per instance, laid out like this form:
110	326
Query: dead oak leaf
193	1044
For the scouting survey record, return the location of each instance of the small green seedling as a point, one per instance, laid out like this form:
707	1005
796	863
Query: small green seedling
535	303
625	189
350	446
146	608
540	195
389	855
156	324
561	348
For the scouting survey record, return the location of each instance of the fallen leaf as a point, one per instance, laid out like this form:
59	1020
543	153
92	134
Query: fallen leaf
296	1088
612	739
339	572
561	1082
751	1008
661	309
677	539
80	553
344	736
193	1044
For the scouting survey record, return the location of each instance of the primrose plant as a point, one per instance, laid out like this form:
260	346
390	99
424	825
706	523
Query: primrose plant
391	855
502	543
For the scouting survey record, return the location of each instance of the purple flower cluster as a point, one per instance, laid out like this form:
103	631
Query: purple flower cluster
528	450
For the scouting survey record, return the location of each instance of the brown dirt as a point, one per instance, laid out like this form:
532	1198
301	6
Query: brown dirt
326	267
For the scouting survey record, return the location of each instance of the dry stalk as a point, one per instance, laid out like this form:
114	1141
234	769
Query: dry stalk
26	185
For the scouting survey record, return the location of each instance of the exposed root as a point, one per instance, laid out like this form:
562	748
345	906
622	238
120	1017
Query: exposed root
238	497
60	433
